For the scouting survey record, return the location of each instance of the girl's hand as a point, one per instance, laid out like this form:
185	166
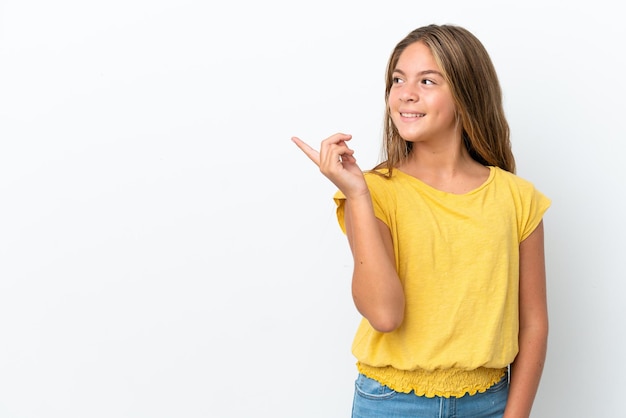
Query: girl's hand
336	161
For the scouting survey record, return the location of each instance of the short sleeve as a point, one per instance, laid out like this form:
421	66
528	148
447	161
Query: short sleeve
340	201
380	199
535	207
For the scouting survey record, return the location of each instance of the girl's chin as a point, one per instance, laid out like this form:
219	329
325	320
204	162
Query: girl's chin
411	137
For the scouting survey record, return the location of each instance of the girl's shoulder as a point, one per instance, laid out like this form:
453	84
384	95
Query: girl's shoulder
378	176
523	190
512	179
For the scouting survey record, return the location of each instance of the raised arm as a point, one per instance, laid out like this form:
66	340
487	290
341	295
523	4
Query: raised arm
527	368
376	287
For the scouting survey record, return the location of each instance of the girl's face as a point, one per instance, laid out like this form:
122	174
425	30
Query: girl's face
420	102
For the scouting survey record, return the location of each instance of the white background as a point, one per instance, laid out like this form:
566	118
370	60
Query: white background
166	251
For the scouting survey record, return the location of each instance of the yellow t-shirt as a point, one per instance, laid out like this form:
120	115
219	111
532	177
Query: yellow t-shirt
458	259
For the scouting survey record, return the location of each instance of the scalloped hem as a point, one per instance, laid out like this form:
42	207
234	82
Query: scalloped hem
443	383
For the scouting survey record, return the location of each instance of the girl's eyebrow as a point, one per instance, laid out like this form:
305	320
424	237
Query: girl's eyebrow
421	73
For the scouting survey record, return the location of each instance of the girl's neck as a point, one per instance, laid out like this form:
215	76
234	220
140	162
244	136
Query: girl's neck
452	170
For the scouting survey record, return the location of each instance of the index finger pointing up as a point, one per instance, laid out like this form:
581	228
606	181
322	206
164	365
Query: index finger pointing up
310	152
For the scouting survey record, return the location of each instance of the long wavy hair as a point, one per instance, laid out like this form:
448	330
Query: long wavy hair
476	91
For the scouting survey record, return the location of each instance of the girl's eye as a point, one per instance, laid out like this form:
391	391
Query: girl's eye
429	82
396	80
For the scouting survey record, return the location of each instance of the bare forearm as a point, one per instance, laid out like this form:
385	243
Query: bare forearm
526	371
376	288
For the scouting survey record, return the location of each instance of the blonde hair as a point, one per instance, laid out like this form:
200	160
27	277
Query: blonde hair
476	91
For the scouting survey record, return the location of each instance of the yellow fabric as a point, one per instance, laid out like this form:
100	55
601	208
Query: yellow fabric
458	259
446	383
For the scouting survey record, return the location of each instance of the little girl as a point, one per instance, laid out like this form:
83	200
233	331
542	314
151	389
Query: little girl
449	270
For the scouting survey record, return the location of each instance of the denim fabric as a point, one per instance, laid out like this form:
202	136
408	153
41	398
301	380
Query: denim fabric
373	400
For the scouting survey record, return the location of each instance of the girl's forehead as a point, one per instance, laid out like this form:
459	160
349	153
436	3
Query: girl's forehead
416	56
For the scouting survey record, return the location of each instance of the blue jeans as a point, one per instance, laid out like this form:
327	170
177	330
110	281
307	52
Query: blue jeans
373	400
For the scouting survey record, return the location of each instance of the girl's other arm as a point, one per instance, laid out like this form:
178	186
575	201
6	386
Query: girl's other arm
527	368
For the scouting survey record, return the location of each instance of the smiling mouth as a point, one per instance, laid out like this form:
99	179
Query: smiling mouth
412	115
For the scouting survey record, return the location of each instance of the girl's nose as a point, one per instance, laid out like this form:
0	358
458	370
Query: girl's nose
409	95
